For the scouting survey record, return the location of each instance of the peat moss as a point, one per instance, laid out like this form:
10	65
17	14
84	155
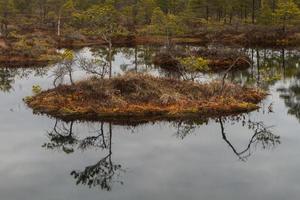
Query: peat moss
135	96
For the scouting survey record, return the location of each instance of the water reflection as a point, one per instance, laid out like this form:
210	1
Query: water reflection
9	75
291	96
6	79
262	136
187	127
243	139
269	67
62	137
273	66
106	172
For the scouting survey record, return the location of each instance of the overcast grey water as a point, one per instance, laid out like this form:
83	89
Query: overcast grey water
251	157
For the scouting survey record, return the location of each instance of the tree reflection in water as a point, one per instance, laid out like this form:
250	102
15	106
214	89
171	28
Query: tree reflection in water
186	128
105	172
140	58
268	67
6	79
291	97
262	135
62	137
8	76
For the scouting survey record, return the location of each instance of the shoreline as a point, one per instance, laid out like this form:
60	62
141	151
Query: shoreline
246	37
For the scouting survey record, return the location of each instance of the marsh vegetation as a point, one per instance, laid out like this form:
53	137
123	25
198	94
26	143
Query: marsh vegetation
149	99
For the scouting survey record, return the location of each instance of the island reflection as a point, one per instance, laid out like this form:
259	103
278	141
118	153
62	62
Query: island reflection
106	171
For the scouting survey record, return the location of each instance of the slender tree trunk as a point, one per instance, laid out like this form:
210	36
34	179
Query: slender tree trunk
283	62
44	14
258	67
110	57
241	13
4	24
110	139
253	11
71	77
136	59
246	14
273	6
59	24
252	60
284	24
225	16
207	13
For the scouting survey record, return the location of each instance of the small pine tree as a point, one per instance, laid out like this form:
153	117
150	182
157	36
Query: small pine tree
266	15
286	13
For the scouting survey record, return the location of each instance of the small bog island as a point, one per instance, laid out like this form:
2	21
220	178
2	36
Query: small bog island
144	97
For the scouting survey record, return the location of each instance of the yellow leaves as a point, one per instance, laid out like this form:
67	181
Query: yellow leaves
36	89
27	99
194	64
68	55
69	5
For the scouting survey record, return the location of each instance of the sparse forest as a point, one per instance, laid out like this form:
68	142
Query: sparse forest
32	29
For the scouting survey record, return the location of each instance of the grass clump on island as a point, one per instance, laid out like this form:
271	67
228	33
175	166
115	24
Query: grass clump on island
137	96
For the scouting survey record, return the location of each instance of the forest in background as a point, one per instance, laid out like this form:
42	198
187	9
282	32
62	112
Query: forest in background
140	16
32	30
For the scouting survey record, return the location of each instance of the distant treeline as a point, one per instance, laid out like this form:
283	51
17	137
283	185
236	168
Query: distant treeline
136	14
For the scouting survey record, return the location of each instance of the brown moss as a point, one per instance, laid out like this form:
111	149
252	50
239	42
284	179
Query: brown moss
141	96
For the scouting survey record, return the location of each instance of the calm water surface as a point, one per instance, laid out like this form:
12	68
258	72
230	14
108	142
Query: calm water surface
254	156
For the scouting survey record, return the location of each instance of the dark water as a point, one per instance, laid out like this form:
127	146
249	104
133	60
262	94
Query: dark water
254	156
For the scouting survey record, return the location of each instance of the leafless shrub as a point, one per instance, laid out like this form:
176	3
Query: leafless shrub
94	66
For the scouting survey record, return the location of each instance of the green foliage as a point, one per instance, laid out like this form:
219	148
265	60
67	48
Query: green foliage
68	5
287	12
23	46
165	24
266	16
145	11
100	20
194	64
36	89
7	10
111	18
31	45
